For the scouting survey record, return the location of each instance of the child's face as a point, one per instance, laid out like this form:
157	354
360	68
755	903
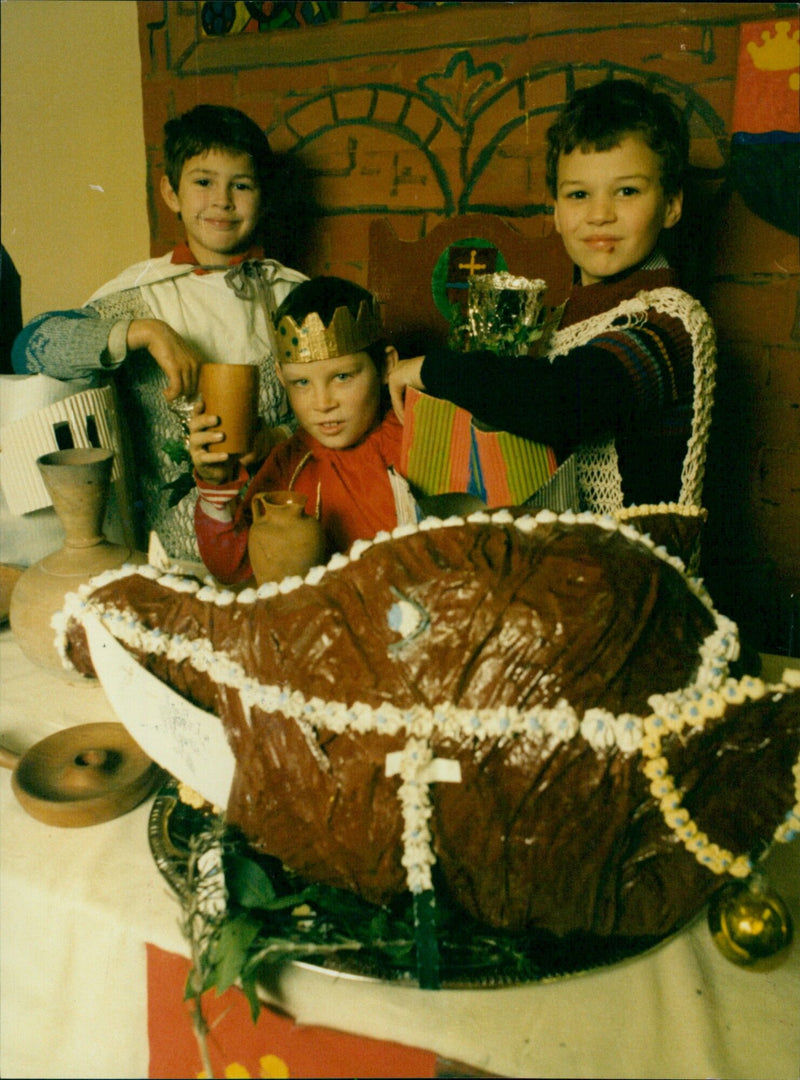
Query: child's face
610	207
219	201
337	401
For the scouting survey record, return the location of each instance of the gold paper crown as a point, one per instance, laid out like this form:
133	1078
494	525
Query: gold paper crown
312	340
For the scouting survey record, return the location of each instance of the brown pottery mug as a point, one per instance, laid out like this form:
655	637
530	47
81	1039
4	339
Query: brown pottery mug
230	392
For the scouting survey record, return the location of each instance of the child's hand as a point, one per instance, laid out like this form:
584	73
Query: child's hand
404	373
213	466
179	362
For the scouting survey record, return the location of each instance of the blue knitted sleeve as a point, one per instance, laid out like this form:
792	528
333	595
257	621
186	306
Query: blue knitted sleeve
74	344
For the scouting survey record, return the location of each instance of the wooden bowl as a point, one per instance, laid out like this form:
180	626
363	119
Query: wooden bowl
82	775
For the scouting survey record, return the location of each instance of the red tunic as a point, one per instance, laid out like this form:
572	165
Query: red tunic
351	485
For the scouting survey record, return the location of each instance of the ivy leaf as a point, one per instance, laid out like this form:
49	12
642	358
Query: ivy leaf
190	990
176	450
230	949
378	928
282	902
247	883
249	983
339	903
179	488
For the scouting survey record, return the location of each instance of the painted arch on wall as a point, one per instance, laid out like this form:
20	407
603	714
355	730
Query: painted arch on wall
439	148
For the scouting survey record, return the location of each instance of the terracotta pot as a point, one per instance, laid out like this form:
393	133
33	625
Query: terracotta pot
283	540
230	392
78	483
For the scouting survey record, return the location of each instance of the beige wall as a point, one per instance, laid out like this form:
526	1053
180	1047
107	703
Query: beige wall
74	209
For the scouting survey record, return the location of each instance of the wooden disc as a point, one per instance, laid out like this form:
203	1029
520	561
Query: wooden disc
84	775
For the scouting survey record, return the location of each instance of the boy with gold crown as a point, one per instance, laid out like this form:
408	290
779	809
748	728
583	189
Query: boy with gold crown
333	362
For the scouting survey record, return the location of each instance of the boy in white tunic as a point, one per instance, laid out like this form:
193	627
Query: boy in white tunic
211	299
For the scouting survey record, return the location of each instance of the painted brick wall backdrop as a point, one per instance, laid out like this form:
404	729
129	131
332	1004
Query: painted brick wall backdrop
417	113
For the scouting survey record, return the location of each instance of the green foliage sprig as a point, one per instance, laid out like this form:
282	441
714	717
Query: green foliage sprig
178	453
243	911
267	915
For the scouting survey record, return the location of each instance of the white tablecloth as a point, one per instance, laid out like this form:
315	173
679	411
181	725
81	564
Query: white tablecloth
78	905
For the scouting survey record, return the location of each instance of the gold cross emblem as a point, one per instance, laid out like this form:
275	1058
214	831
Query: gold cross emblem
471	267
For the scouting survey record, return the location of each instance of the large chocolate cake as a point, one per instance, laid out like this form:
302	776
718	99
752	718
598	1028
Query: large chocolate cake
541	706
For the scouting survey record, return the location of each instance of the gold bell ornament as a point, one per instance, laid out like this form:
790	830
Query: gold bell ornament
749	922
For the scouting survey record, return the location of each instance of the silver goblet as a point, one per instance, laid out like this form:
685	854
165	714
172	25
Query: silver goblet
504	312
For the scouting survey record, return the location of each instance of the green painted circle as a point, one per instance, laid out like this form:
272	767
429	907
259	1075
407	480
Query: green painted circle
440	271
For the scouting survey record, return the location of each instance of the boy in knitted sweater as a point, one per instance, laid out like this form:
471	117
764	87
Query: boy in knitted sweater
627	378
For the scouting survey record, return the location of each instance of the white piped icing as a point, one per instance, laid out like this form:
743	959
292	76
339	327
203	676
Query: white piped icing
289	584
415	801
585	518
691	709
628	732
402	530
598	728
315	575
627	513
503	517
358	548
607	522
556	724
180	584
526	524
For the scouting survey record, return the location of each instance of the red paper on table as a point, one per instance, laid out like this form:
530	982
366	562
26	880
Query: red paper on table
273	1047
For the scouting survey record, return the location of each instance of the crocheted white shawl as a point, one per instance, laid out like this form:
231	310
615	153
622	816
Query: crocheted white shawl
599	480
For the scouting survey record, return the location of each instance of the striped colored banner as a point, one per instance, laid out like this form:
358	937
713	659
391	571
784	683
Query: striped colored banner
444	451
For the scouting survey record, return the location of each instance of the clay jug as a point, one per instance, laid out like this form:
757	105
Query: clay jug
78	483
283	540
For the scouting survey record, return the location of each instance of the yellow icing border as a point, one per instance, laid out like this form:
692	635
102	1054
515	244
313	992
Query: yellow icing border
669	716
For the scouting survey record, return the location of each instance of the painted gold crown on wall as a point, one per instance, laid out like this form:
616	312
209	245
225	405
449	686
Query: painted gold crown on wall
312	340
778	53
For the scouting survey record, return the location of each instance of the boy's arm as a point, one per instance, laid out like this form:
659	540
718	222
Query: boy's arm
70	344
594	389
220	514
221	534
84	341
99	337
180	363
